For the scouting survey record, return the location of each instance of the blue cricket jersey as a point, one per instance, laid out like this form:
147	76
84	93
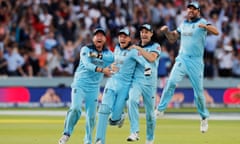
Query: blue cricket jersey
139	76
85	75
126	61
193	38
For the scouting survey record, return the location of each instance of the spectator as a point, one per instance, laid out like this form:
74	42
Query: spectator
50	41
236	66
210	47
70	53
14	60
46	18
225	61
42	59
68	31
27	69
34	62
3	65
164	66
36	45
4	33
234	28
53	63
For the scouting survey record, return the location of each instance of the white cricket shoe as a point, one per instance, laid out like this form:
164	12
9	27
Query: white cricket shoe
204	126
121	122
133	137
158	113
63	139
149	142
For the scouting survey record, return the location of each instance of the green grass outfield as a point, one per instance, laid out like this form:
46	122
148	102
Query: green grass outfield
47	130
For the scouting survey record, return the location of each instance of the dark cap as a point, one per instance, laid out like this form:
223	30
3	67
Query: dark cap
97	30
193	4
124	31
147	27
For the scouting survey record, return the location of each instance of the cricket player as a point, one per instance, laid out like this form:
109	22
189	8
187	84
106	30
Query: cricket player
144	86
94	62
117	87
192	33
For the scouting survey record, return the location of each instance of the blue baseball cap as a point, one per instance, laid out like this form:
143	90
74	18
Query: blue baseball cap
124	31
97	30
147	27
193	4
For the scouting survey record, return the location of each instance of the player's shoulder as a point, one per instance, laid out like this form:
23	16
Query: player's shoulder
132	51
155	44
87	47
155	47
203	19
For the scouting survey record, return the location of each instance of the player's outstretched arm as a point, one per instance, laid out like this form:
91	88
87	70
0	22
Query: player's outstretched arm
149	56
210	28
172	36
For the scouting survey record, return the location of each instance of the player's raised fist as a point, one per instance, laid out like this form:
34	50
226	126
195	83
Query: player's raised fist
164	29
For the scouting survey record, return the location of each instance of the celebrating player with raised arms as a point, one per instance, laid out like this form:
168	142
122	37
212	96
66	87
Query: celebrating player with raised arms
189	62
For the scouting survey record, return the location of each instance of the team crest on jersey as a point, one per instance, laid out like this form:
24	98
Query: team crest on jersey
84	54
125	53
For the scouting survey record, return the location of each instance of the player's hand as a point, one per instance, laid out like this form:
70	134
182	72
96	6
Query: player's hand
114	68
164	29
134	47
107	71
147	71
158	114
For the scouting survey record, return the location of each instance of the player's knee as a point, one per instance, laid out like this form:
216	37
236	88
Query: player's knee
104	109
76	112
133	97
150	117
75	108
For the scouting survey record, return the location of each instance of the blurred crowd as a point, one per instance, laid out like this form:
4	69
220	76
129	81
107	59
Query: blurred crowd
44	37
